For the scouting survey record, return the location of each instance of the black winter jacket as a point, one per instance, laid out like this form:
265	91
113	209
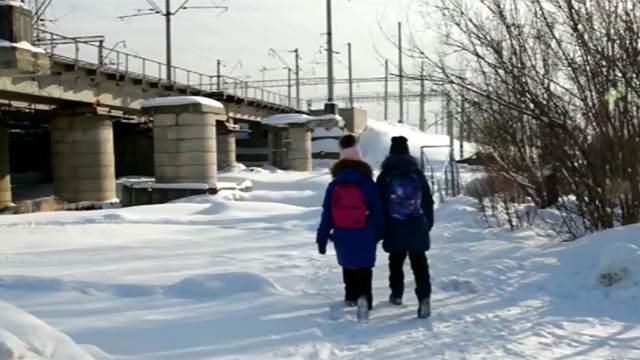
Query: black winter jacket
409	234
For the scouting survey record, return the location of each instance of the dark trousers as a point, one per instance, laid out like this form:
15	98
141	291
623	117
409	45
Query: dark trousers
357	282
420	267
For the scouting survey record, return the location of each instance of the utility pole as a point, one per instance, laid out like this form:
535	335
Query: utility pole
350	77
219	75
264	70
289	102
40	7
35	24
298	104
329	53
168	14
274	53
423	125
386	90
450	133
407	117
400	73
100	52
462	124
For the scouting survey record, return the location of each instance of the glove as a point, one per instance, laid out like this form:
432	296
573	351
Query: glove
322	249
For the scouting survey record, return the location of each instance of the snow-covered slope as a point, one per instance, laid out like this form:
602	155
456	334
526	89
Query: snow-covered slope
237	276
23	336
609	259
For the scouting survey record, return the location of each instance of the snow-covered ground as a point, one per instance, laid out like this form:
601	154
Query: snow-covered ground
237	276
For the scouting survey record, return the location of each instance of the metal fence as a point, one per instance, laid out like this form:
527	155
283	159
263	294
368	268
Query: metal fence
445	179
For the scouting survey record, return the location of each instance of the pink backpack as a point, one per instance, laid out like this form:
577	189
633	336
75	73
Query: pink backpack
348	207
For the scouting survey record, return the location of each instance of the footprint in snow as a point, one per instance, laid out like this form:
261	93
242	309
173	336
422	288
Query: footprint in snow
458	285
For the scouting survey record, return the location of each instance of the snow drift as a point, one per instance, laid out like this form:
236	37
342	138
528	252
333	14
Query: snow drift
608	259
376	140
23	336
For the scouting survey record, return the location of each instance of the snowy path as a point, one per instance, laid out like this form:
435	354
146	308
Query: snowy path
216	278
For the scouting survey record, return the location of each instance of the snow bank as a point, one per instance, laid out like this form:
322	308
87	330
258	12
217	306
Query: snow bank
182	100
192	287
618	263
23	336
376	140
611	258
17	3
221	285
619	256
287	119
293	119
607	260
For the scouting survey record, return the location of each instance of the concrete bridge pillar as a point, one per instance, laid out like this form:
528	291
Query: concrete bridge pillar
299	154
16	21
184	133
226	145
15	28
277	148
298	127
83	158
5	179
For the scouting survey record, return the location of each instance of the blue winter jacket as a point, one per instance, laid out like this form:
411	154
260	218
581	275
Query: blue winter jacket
355	248
409	234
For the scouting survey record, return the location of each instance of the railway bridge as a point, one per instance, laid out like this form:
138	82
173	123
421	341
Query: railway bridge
71	110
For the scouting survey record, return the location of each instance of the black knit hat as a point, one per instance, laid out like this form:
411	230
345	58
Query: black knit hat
399	146
348	141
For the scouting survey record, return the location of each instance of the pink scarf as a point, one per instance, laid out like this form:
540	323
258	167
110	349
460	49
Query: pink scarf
352	153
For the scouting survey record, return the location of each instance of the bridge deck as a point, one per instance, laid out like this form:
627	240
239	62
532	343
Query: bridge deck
125	83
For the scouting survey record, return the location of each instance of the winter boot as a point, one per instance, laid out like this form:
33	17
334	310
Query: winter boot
395	300
363	309
350	303
424	309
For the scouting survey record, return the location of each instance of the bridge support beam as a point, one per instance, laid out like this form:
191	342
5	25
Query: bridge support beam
277	148
185	148
184	135
5	178
226	146
16	29
299	154
83	158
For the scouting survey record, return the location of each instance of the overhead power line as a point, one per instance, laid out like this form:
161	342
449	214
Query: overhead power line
39	9
168	14
317	81
379	97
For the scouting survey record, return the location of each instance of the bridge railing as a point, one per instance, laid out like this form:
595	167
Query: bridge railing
243	88
94	54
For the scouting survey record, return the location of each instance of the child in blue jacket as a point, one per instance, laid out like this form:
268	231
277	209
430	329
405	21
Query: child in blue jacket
353	219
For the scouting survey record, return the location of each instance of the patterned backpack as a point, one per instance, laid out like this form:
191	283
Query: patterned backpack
348	207
405	196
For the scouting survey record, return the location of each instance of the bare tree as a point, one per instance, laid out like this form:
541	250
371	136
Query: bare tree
551	90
